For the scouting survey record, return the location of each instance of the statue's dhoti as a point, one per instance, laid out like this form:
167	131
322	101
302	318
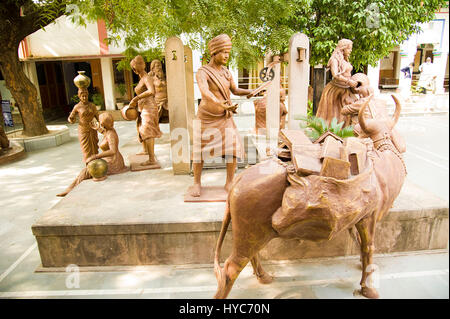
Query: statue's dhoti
216	135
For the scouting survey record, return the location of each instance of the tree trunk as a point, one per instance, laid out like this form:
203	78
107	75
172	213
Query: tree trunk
319	79
23	91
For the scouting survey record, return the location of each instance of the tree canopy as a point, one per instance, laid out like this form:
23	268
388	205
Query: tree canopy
375	26
256	27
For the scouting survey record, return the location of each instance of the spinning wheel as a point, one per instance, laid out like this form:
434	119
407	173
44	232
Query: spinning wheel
266	74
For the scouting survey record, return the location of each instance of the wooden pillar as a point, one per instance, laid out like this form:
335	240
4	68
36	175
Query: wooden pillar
298	78
178	60
320	81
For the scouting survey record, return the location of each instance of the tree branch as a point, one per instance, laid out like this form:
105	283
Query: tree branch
37	17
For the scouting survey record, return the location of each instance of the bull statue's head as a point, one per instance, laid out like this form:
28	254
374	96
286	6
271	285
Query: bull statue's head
382	129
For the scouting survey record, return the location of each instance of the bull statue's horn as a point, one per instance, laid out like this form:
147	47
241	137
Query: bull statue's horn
361	120
398	109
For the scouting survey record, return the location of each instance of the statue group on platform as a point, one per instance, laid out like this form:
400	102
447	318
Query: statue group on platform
147	108
324	187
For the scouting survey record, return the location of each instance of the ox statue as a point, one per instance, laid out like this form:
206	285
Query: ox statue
263	205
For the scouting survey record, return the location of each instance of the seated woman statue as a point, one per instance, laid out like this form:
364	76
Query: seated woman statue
338	92
110	152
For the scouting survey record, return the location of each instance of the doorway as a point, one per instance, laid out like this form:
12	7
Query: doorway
52	89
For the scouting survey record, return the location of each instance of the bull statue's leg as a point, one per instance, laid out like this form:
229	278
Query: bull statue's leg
262	276
228	275
366	230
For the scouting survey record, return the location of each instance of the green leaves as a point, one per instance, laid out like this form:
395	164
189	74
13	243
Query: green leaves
375	26
316	126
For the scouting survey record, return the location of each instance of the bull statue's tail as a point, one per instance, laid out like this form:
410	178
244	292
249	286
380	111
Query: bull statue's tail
219	272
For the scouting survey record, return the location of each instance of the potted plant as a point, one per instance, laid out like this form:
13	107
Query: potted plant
97	99
122	90
75	99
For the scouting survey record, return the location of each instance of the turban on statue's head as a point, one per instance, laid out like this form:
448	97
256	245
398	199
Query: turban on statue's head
219	43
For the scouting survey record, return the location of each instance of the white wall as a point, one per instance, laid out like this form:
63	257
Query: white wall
6	95
63	38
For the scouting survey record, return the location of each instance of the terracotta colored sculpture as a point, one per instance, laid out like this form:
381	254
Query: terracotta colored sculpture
364	90
160	83
215	113
110	152
144	101
376	109
86	112
338	92
260	111
263	205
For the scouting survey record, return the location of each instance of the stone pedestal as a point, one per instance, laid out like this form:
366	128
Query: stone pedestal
145	221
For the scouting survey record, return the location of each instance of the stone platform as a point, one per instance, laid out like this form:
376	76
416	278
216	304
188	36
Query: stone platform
58	134
140	218
13	154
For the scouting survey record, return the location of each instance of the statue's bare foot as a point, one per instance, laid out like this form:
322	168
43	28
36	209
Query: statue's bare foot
371	293
149	162
62	194
195	190
265	278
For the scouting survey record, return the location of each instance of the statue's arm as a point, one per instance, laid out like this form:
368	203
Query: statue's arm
96	116
148	81
353	108
113	144
334	68
73	114
236	90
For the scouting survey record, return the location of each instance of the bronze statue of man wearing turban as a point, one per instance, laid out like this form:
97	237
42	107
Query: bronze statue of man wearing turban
215	133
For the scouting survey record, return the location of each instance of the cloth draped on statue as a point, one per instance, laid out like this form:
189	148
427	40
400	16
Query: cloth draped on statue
116	164
215	133
334	96
148	122
260	113
86	135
